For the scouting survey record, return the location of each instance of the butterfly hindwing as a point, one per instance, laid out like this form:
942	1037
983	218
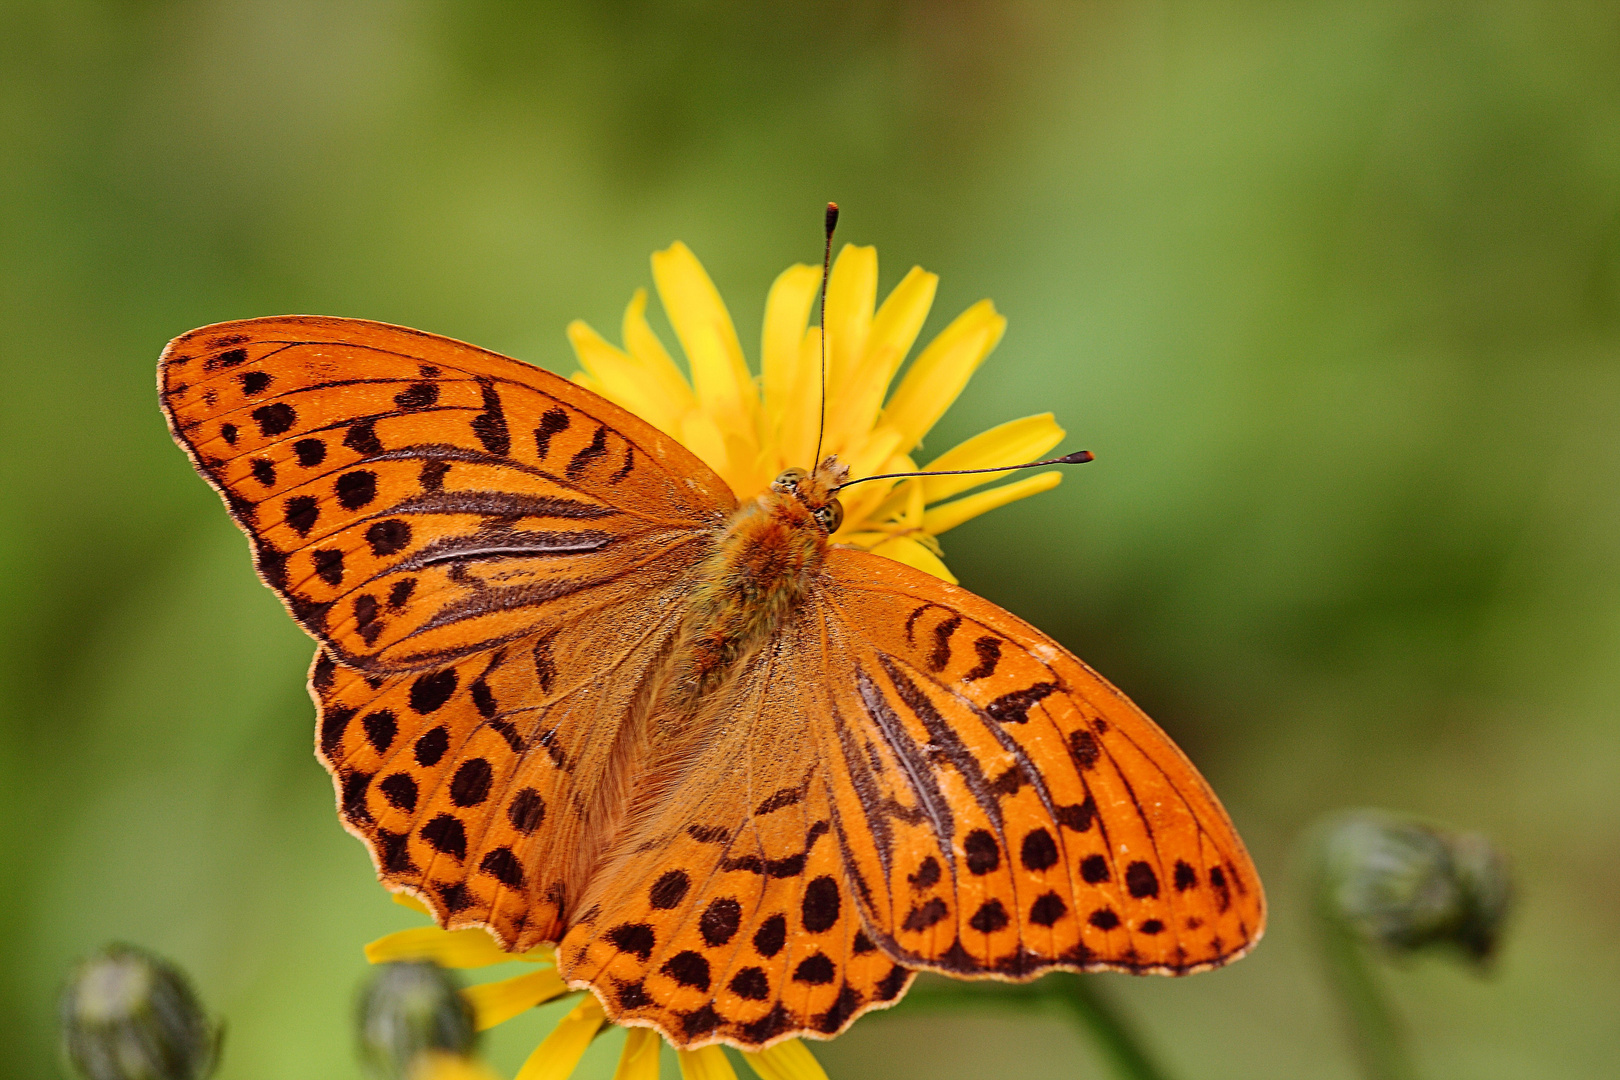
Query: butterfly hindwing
731	917
1007	810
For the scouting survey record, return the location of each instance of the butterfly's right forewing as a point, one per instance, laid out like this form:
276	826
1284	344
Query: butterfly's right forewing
1003	809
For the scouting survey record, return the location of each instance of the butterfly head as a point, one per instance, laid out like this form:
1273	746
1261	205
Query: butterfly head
815	491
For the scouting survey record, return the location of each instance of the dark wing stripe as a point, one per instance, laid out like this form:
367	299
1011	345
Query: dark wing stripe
919	773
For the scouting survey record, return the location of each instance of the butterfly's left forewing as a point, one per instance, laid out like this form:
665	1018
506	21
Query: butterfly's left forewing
413	498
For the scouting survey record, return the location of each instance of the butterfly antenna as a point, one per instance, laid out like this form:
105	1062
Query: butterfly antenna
1079	457
826	269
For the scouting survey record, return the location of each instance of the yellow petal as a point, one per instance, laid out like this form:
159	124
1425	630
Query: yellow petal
894	329
1011	443
860	503
801	412
851	292
866	457
404	899
708	1063
579	378
724	388
951	514
787	311
622	379
555	1058
790	1060
701	435
497	1002
905	549
442	1065
639	1059
941	371
447	948
641	343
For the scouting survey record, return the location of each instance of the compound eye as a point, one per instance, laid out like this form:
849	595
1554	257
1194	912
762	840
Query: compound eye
790	479
831	516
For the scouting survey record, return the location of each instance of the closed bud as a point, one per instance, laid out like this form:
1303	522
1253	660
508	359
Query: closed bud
129	1015
1405	886
412	1019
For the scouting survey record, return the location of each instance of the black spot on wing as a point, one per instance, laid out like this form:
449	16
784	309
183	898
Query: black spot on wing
669	890
447	835
356	489
1185	876
504	867
489	426
1047	909
1141	881
941	656
429	692
989	653
588	454
310	452
689	969
638	939
820	905
418	396
526	811
771	936
1013	708
471	783
1084	749
552	422
720	921
362	438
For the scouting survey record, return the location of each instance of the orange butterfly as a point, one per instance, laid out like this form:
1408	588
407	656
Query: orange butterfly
748	780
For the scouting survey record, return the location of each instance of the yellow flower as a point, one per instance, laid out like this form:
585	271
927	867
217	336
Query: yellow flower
555	1058
749	429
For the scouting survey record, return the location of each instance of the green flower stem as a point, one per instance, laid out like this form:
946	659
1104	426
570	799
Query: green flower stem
1374	1029
1075	994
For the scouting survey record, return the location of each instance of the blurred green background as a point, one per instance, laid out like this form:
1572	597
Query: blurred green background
1333	291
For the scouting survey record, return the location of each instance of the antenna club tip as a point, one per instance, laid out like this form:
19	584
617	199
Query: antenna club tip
1079	457
832	217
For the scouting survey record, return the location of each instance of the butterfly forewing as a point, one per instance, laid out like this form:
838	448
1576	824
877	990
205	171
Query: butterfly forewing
414	499
1008	810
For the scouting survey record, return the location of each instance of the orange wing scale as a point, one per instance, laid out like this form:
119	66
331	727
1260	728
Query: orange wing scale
496	563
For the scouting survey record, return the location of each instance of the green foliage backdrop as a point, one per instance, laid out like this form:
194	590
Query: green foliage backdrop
1332	290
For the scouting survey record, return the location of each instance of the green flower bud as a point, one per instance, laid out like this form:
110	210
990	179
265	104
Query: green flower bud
1405	886
409	1009
129	1015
